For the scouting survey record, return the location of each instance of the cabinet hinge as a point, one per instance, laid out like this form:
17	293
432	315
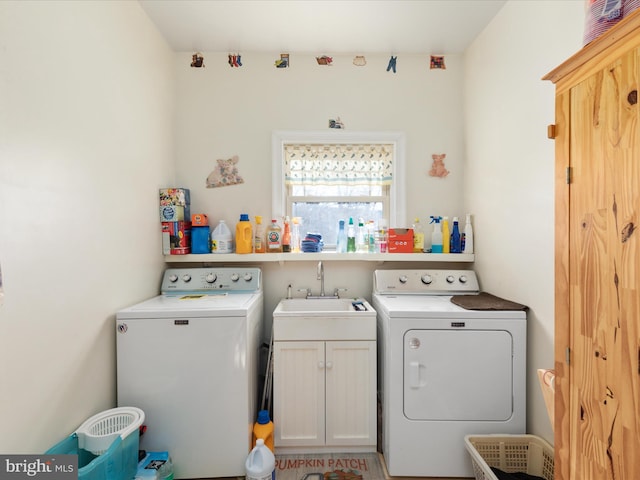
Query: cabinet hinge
551	131
567	355
568	175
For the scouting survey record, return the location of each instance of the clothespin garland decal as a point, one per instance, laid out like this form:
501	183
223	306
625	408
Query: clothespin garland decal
392	64
234	60
197	60
437	63
283	62
324	60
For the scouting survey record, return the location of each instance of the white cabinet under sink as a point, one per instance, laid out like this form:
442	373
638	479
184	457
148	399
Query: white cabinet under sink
324	385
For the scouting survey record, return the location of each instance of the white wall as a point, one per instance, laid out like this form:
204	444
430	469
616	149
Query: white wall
86	121
509	169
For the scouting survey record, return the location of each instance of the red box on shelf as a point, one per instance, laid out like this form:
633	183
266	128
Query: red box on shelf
401	240
176	238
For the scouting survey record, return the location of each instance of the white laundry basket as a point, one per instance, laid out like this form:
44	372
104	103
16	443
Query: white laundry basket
510	453
97	433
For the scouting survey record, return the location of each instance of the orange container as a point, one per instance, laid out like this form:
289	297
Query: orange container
244	235
263	429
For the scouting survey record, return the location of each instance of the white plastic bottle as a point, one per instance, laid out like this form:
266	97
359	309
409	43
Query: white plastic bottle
467	236
221	239
261	463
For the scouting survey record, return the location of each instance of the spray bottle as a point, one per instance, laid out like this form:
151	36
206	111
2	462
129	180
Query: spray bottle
436	236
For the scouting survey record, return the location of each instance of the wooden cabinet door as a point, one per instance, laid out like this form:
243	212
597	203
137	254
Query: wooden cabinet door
299	393
351	392
603	292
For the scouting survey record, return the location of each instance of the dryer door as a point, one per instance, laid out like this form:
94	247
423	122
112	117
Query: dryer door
458	375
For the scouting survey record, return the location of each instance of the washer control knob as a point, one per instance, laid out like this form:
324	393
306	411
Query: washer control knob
210	278
186	278
403	279
426	279
173	278
450	279
463	279
247	277
234	277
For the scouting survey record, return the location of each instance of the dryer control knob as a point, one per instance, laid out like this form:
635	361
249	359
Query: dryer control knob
426	279
450	279
186	278
173	278
463	279
234	277
247	277
210	278
403	279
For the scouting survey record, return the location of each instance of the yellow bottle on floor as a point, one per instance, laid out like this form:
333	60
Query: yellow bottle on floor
263	429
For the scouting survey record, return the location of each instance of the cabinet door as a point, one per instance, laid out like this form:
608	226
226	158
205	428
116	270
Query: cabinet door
298	393
604	274
351	392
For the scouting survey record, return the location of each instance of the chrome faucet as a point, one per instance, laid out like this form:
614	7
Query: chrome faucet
321	277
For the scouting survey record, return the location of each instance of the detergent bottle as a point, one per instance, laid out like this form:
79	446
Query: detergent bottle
436	236
446	235
261	463
221	239
467	236
263	429
456	239
258	237
244	235
418	237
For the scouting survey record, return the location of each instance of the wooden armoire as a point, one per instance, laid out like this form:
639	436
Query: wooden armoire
597	258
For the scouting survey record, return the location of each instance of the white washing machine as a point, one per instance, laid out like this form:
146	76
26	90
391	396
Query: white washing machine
189	359
444	371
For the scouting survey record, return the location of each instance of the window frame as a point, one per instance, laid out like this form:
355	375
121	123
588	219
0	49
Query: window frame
397	198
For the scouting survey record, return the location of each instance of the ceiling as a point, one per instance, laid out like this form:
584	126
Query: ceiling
435	27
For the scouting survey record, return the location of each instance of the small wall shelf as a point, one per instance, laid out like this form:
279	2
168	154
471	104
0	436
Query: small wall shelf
314	257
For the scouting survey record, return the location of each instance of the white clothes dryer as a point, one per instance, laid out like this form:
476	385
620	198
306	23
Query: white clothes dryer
189	359
443	371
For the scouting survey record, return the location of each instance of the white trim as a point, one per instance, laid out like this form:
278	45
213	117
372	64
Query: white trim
397	213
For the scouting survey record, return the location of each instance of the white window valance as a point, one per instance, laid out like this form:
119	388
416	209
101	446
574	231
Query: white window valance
323	164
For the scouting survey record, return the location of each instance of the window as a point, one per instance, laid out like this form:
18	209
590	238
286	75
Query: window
324	177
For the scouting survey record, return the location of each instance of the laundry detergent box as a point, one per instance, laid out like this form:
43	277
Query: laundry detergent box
401	240
176	238
152	465
175	196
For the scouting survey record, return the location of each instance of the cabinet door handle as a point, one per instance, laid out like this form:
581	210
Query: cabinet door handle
320	364
329	364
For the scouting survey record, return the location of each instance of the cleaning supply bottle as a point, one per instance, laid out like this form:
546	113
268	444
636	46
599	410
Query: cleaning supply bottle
295	235
446	235
341	242
467	236
221	239
361	244
258	236
351	236
274	237
260	463
263	429
244	235
286	235
456	239
383	236
436	236
371	236
418	237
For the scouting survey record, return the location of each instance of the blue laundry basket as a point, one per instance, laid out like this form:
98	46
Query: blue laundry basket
106	445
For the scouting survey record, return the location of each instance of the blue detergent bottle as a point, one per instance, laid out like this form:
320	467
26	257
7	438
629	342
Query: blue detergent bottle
456	239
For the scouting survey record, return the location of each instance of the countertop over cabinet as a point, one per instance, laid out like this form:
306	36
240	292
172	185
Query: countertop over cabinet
326	256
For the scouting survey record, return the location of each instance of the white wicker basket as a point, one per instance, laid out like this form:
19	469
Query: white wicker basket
97	433
510	453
